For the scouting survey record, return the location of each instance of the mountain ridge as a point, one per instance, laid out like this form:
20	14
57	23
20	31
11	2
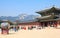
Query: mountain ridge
20	18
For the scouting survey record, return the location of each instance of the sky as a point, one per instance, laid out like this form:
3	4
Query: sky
17	7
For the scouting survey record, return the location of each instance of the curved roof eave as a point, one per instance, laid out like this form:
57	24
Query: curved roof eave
43	11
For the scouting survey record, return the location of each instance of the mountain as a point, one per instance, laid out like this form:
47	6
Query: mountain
12	19
20	18
28	18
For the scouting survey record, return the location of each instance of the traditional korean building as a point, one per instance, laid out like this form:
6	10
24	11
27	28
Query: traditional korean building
29	25
49	17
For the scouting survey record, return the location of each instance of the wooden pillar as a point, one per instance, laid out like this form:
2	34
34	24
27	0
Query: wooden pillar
48	24
58	25
55	24
43	25
40	24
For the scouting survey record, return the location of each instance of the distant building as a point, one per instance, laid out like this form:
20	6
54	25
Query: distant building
49	17
29	25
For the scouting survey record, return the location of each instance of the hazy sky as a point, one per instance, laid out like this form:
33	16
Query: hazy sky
16	7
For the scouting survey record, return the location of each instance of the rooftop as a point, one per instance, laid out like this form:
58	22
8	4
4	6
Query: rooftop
49	11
